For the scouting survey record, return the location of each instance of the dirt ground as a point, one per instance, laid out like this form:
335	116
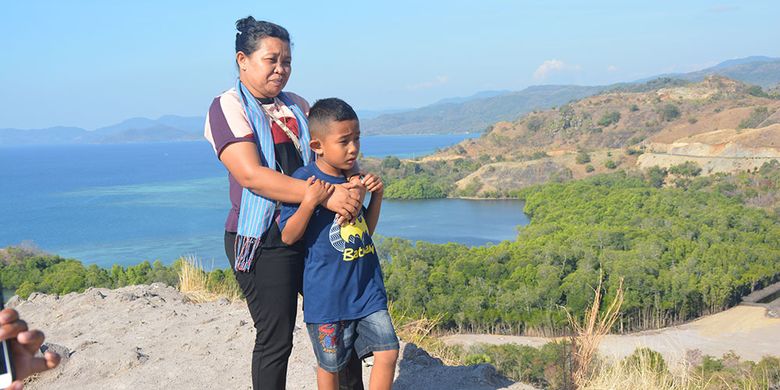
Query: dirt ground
151	337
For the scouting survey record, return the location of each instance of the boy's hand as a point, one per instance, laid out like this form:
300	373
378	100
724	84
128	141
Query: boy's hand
316	192
374	184
356	186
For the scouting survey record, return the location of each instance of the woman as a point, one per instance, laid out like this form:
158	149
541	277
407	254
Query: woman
261	136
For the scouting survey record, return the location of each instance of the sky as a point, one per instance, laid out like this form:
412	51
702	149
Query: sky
95	63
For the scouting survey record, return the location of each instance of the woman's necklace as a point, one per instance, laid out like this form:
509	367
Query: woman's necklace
294	138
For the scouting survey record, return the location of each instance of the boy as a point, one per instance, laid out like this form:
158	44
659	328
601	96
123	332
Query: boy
344	298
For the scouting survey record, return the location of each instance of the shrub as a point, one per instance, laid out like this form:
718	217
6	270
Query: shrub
535	124
634	108
476	358
610	164
647	358
688	168
756	90
582	157
589	168
609	119
670	112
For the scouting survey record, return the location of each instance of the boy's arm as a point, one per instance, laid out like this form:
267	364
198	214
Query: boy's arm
295	227
372	212
374	185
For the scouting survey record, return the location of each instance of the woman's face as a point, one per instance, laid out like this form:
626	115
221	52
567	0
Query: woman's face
266	71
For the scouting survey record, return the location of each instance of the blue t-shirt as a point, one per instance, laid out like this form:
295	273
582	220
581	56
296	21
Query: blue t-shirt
342	279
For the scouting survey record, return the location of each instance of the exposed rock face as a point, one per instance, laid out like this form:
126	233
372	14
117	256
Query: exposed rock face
718	151
153	337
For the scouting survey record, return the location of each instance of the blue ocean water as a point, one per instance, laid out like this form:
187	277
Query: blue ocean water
122	204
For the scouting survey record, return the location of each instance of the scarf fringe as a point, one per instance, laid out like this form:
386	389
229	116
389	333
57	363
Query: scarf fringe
245	248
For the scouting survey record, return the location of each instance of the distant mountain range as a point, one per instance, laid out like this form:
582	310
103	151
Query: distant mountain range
756	70
168	128
476	113
473	113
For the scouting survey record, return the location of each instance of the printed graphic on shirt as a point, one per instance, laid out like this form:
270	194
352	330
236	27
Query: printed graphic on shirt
352	240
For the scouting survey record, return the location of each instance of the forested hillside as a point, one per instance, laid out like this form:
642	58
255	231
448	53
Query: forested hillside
682	252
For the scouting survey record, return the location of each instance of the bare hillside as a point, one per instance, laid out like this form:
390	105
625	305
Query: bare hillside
721	124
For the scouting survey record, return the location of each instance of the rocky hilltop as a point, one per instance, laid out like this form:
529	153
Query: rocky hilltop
153	337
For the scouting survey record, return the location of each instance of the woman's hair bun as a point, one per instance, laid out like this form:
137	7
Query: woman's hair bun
251	31
245	24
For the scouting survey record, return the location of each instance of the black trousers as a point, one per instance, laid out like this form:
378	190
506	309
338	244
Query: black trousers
271	288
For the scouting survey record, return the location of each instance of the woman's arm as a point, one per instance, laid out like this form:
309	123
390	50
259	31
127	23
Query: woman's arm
243	162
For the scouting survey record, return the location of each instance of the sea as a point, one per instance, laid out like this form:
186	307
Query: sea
126	203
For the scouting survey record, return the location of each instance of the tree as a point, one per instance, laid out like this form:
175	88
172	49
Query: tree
670	112
391	162
656	176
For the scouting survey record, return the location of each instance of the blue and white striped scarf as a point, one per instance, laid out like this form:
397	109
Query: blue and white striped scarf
257	212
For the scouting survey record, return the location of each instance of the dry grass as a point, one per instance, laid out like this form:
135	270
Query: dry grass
644	374
417	330
590	332
195	283
639	374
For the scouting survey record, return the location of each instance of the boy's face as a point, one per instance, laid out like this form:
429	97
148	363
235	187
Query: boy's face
338	148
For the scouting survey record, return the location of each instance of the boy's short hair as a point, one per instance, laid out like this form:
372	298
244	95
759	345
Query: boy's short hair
325	111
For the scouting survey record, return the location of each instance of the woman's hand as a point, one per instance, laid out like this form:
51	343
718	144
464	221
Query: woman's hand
358	187
316	192
24	344
344	201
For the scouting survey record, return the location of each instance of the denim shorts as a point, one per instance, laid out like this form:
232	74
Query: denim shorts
332	342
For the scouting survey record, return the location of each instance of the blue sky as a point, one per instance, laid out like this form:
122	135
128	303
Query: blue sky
94	63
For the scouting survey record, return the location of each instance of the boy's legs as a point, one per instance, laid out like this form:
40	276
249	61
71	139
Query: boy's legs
327	380
383	371
375	334
333	346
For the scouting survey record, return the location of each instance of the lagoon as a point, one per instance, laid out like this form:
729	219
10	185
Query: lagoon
122	204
